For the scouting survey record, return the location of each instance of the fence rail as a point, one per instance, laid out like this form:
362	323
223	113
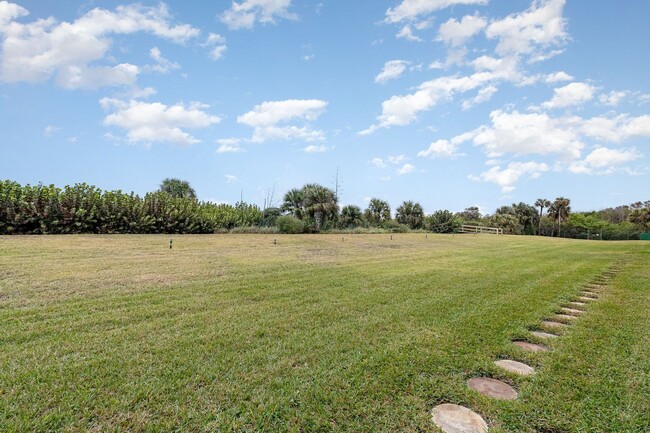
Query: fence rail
480	229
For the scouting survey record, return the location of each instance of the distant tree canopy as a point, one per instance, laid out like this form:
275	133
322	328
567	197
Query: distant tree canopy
83	208
177	188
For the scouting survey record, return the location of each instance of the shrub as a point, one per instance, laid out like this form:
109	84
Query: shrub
394	227
290	225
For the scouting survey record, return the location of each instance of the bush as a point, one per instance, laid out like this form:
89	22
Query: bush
290	225
394	227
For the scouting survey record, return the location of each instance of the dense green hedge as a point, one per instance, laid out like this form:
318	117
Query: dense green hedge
83	208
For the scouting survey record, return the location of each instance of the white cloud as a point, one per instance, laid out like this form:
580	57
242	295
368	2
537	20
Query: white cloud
268	117
612	98
407	33
156	122
616	129
530	32
558	77
378	163
483	95
392	69
571	94
229	145
534	133
50	130
402	110
397	159
231	179
507	178
162	65
406	169
446	148
246	14
216	45
604	161
409	10
455	33
70	52
312	148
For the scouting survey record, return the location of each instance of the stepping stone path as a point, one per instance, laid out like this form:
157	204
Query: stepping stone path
492	388
531	347
540	334
452	418
577	304
552	324
590	294
573	311
566	317
585	298
515	367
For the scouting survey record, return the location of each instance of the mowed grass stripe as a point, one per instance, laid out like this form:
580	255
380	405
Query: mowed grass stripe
313	334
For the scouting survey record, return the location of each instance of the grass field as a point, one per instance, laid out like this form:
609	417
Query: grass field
232	333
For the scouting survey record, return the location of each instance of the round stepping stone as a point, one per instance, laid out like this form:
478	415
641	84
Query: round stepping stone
452	418
531	347
566	317
540	334
573	311
553	324
492	388
515	367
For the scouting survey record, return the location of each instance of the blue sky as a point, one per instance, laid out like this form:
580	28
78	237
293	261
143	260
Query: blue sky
452	103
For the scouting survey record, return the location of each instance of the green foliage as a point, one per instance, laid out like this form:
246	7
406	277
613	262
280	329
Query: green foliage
377	212
177	188
351	217
83	208
394	226
410	214
442	221
290	224
320	203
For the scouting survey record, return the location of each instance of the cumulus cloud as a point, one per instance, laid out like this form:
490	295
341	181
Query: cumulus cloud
570	95
507	177
269	120
156	122
313	148
455	33
50	130
231	178
612	98
603	160
162	65
216	45
406	169
378	163
558	77
446	148
409	10
407	33
229	145
392	69
531	32
245	14
69	52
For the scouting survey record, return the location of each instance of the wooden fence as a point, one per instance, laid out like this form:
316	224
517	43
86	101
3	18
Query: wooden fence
481	229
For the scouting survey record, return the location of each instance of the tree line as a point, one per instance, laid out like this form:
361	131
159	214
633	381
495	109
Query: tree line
174	208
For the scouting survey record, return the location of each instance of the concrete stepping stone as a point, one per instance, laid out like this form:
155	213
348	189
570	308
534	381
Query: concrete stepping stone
571	311
566	317
577	304
586	298
452	418
553	324
545	335
589	294
531	347
515	367
492	388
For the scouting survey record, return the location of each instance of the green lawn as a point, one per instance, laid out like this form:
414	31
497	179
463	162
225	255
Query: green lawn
233	333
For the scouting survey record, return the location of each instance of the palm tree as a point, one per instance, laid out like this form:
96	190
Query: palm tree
351	216
377	212
411	214
560	210
319	203
541	203
177	188
293	202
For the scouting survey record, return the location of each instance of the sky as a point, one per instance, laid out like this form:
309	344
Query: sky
451	103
